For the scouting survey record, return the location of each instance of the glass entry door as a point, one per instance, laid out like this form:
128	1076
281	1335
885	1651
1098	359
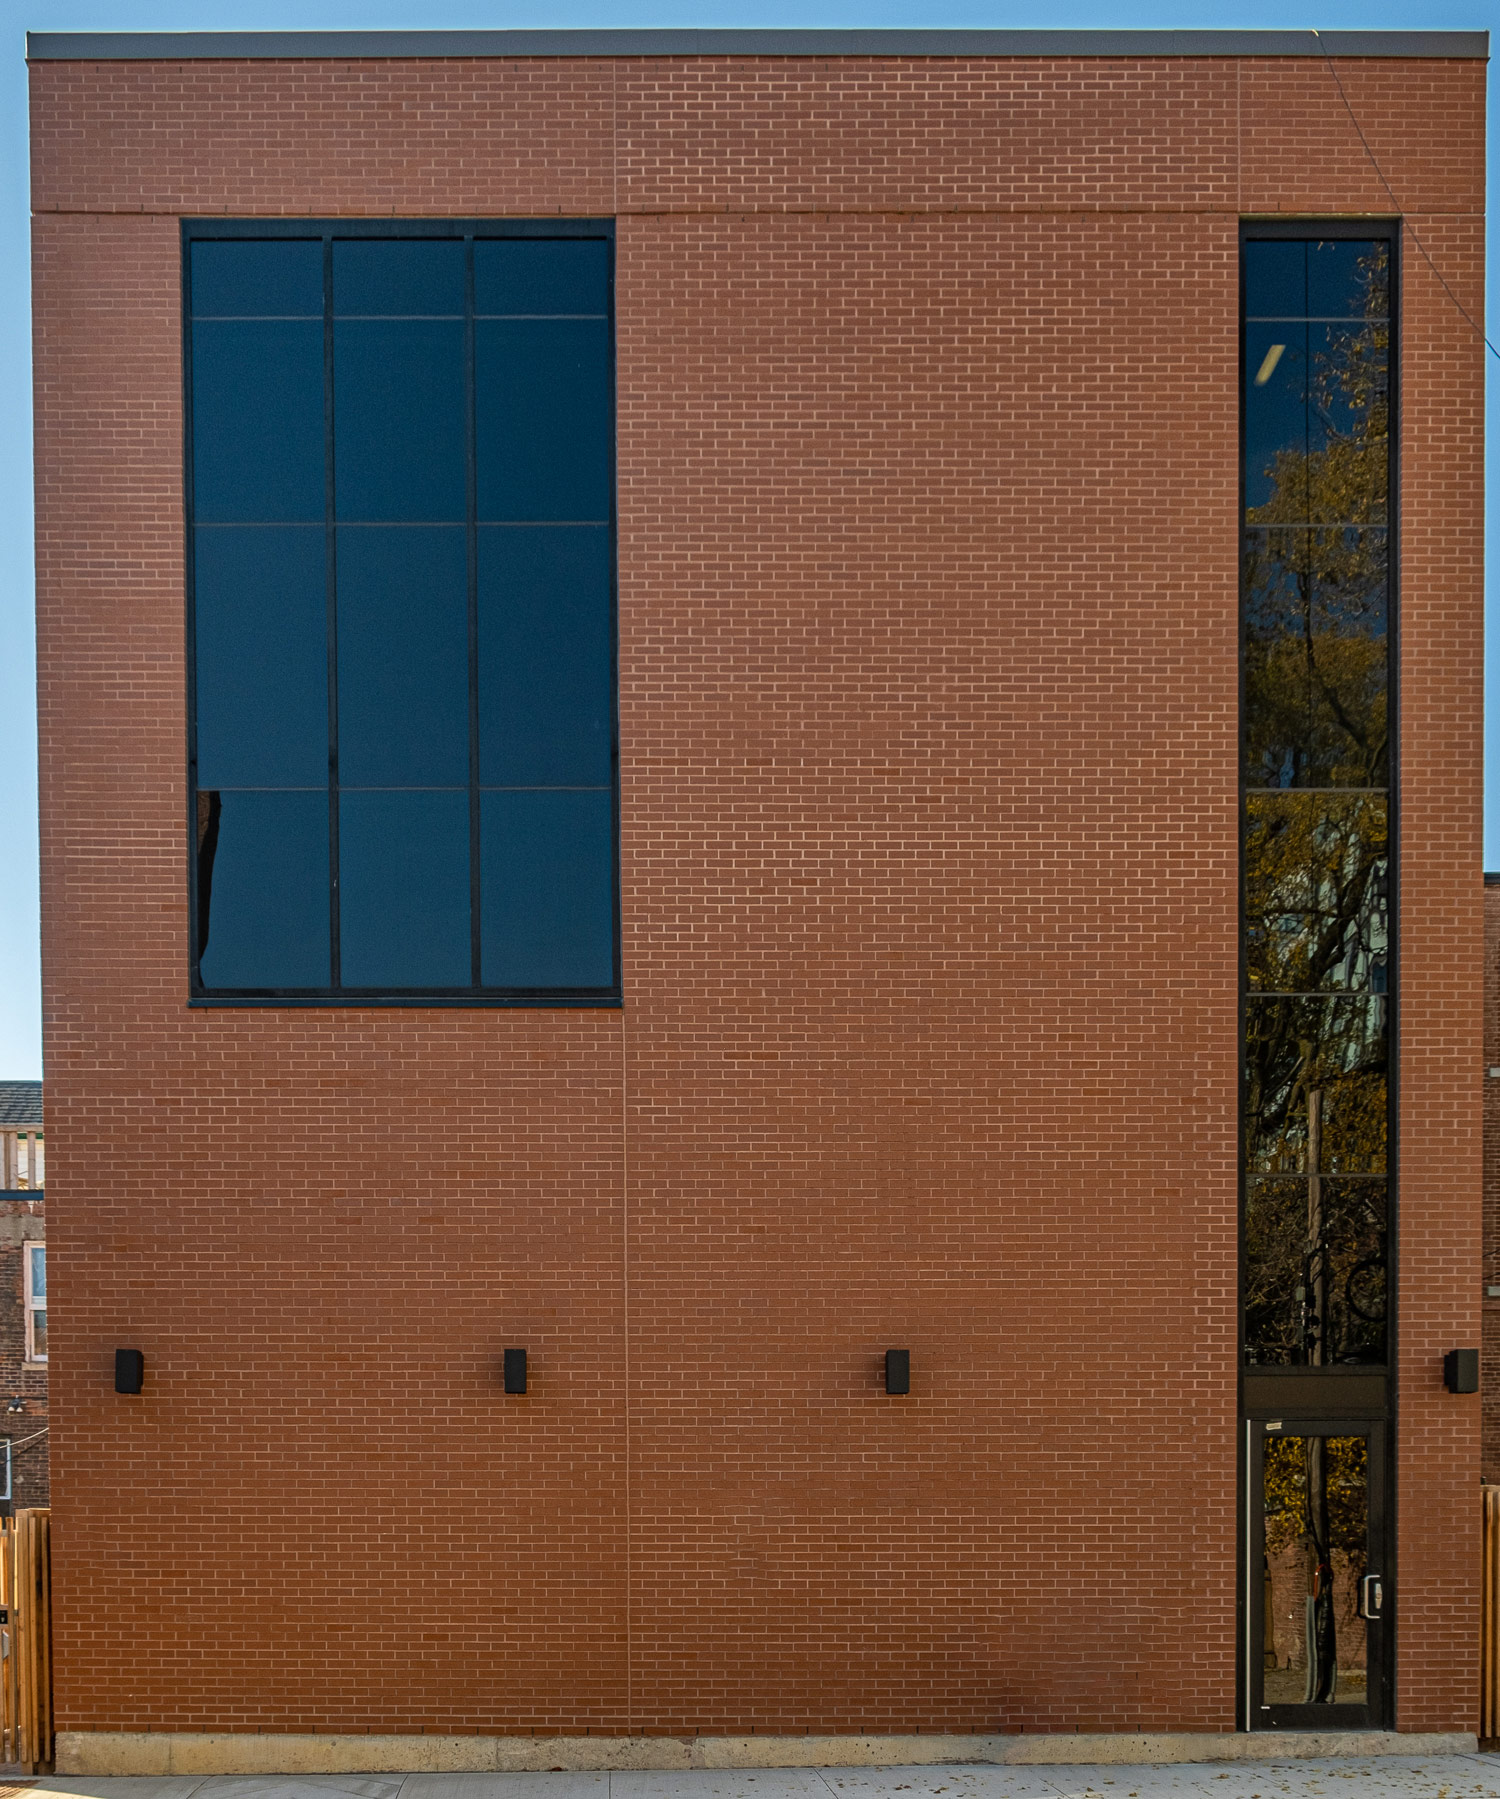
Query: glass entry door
1318	1591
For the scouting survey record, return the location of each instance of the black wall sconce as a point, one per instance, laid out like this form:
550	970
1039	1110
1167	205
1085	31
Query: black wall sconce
515	1370
1461	1371
130	1370
898	1371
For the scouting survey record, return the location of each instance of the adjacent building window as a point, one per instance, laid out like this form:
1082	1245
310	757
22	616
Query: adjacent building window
401	506
1316	779
36	1302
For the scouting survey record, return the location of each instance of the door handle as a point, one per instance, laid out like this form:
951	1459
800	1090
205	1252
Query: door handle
1371	1597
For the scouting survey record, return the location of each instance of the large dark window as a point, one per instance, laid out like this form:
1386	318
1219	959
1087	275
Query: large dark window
401	522
1316	777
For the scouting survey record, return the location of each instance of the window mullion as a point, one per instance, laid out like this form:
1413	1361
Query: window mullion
331	553
471	523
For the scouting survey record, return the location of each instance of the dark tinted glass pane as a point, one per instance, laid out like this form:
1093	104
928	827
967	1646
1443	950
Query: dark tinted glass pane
262	657
1315	1085
545	661
403	651
1349	570
1275	280
1279	718
257	422
404	889
538	277
1348	279
547	879
399	420
1276	423
263	889
1315	1500
392	279
1315	1272
544	419
1315	893
1315	711
248	280
1348	451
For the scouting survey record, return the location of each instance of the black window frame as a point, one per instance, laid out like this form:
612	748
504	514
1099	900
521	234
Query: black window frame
1306	229
327	231
1303	1395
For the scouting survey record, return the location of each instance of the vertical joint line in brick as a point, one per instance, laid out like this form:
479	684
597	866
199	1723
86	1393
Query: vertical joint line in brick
1239	138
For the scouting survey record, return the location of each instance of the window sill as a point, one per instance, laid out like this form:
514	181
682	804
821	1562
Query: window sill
472	1003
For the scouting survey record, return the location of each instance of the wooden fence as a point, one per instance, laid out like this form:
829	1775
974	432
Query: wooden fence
1489	1618
26	1730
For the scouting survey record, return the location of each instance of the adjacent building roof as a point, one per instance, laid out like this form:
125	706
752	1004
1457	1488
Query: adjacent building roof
20	1105
172	46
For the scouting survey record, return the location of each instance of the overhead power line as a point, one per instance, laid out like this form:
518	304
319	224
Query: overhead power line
1463	310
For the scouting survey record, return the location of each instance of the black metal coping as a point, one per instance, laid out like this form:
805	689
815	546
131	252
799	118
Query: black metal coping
176	46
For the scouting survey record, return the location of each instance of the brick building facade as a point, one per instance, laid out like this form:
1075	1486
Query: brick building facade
929	573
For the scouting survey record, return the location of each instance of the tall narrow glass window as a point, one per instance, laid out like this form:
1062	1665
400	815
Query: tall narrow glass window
1315	814
403	651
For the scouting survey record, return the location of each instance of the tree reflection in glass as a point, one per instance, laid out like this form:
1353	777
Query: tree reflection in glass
1316	1505
1317	459
1315	1271
1316	891
1315	658
1316	866
1315	1085
1317	409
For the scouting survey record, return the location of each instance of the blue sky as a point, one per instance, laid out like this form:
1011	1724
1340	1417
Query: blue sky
20	1006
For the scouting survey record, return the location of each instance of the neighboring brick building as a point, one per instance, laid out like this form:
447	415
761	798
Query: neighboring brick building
697	831
23	1291
1491	1361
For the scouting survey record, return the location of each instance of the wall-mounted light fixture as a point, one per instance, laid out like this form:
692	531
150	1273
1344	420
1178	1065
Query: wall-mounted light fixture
898	1371
1461	1371
17	1404
515	1370
130	1370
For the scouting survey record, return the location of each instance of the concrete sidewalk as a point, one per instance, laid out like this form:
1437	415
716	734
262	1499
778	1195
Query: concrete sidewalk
1344	1777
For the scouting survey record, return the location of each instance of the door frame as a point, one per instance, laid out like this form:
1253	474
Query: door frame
1374	1713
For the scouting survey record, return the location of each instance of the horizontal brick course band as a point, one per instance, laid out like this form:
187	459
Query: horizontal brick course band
596	137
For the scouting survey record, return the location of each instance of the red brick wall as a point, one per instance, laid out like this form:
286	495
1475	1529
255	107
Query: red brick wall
928	477
1440	1020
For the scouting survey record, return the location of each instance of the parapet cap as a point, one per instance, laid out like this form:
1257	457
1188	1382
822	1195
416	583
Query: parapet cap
234	46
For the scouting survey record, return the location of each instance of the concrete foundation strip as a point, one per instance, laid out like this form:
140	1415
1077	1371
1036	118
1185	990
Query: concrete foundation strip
98	1753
